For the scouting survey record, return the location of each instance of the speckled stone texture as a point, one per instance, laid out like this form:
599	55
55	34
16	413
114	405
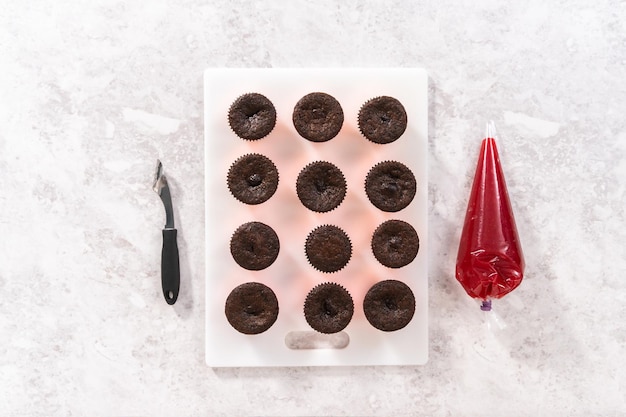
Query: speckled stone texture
91	93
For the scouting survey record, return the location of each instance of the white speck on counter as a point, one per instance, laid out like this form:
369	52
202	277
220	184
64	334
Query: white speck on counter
117	165
109	129
151	123
191	42
137	300
532	125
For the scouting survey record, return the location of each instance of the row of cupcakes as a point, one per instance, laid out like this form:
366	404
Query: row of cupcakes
389	305
318	117
255	246
321	186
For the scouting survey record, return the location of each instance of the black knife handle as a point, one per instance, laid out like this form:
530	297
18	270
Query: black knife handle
170	266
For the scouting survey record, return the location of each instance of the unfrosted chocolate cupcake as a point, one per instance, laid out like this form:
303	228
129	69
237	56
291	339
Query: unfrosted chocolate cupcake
389	305
395	243
321	186
253	179
251	308
328	248
390	186
382	119
318	117
328	308
252	116
254	246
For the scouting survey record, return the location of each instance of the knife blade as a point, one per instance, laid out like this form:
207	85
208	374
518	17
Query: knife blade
170	266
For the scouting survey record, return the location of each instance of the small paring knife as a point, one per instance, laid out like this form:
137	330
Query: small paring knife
170	267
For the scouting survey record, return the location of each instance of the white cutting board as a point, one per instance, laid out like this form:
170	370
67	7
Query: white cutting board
290	276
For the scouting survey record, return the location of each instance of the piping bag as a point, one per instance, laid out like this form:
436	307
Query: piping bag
490	263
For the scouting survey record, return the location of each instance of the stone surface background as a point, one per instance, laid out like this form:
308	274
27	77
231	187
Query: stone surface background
92	92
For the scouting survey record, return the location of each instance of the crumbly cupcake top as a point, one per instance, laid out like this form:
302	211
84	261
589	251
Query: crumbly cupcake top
328	248
389	305
390	186
382	119
251	308
318	117
252	179
252	116
395	243
328	308
254	246
321	186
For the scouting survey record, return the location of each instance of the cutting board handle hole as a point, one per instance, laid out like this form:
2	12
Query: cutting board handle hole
304	340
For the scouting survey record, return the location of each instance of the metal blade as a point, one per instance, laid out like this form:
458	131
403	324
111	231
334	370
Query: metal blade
162	189
157	175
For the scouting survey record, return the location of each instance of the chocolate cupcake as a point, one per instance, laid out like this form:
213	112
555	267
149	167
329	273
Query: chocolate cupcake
252	116
382	119
318	117
328	308
390	186
321	186
328	248
389	305
251	308
395	243
254	246
252	179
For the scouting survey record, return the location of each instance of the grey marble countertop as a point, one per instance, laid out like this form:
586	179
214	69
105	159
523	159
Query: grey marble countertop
91	93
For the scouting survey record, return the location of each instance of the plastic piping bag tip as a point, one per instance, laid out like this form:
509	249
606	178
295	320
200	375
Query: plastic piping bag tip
490	130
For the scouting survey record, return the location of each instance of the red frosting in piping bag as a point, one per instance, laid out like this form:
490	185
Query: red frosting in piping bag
490	262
